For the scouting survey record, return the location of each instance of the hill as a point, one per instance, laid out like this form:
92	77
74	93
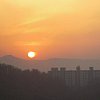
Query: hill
45	65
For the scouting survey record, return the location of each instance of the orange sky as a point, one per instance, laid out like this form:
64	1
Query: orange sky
52	28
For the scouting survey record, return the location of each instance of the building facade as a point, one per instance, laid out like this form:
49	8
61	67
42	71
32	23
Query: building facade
75	78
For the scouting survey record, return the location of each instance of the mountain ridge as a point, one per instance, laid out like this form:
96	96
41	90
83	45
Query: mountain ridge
45	65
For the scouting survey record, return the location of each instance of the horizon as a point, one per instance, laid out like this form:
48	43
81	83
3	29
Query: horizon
45	65
9	55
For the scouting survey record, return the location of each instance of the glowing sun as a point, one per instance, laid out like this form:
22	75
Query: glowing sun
31	54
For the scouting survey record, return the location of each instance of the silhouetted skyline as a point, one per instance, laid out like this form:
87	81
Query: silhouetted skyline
16	84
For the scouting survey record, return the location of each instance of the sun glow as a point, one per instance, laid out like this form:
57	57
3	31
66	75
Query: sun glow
31	54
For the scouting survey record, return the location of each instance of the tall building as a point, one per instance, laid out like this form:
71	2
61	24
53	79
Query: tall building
75	78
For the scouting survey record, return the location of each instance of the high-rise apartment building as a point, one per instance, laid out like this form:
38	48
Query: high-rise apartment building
76	77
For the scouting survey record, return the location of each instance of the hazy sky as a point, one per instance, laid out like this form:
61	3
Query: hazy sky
52	28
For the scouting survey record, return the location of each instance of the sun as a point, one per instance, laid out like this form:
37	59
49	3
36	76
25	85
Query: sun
31	54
